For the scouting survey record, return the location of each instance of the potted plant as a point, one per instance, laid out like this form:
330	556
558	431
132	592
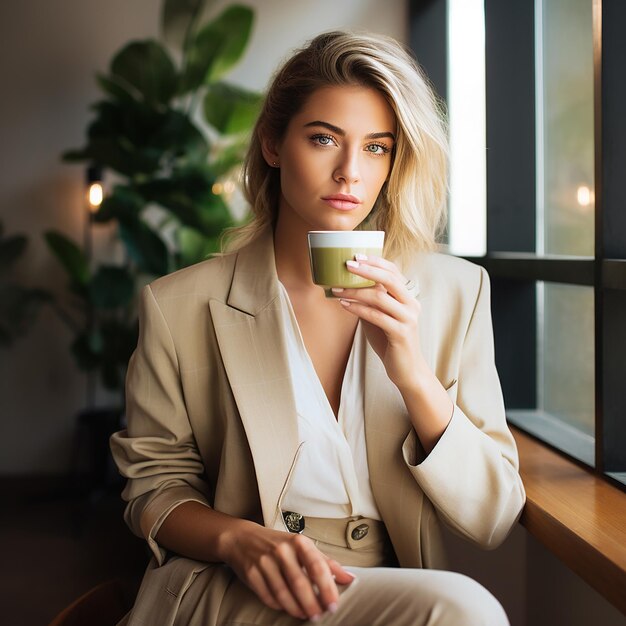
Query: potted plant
19	305
168	128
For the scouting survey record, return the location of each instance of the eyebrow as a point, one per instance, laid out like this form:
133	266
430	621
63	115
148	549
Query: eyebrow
340	131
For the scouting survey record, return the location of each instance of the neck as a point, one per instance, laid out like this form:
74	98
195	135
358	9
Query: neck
291	253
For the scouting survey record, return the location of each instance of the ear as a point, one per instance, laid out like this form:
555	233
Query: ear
270	150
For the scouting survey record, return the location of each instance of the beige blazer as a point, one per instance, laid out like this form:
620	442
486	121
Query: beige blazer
211	415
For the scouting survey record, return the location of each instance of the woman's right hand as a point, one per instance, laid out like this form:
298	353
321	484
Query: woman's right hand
286	571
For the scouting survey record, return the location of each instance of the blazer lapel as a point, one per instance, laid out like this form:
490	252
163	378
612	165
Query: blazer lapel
250	335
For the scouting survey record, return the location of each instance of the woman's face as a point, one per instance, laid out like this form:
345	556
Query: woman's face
334	158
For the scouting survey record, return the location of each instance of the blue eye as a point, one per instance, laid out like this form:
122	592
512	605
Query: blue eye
322	140
377	148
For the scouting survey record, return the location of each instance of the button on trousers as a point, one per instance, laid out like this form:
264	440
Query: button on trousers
379	596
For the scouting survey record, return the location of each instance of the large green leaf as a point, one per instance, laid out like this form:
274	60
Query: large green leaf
119	138
217	47
193	246
178	135
19	306
135	139
193	182
184	209
106	348
11	248
146	67
111	287
122	205
119	90
187	194
215	215
119	341
110	152
231	109
145	247
76	156
70	256
130	122
236	22
230	156
178	19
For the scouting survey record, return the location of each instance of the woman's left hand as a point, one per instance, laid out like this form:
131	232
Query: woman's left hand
390	313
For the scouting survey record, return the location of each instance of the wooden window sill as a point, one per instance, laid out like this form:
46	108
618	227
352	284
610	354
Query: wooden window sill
578	516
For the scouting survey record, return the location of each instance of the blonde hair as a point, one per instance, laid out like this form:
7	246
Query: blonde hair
411	205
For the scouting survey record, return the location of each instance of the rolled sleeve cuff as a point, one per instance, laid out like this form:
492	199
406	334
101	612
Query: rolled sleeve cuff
469	481
157	511
414	455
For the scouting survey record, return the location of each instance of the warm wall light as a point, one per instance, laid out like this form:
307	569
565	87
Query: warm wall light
95	190
95	196
226	188
585	196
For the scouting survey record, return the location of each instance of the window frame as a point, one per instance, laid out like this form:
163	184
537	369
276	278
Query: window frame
511	205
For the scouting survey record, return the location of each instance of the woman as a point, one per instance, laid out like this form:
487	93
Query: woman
286	451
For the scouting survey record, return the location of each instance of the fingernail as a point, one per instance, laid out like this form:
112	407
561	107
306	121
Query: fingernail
344	302
353	576
352	263
360	257
316	618
337	289
332	607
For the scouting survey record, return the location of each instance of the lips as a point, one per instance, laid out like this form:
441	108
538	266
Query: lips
342	201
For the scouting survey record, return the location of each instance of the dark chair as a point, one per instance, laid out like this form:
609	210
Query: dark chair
104	605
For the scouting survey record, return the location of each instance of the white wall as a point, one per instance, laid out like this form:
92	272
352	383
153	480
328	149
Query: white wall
283	25
50	52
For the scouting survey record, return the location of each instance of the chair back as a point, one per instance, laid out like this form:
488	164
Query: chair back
104	605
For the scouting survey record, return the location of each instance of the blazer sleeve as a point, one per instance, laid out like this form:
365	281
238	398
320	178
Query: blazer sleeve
471	475
157	452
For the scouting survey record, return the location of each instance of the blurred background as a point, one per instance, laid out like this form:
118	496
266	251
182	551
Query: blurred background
51	54
72	263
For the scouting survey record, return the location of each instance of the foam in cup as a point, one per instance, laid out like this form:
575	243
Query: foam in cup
330	249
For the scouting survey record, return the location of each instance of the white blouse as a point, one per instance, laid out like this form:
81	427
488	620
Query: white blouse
331	477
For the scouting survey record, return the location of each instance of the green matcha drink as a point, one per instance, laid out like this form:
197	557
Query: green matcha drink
329	251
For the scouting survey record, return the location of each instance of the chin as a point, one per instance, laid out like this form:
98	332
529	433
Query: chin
341	222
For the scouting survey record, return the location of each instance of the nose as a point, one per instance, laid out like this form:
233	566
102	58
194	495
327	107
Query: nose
347	169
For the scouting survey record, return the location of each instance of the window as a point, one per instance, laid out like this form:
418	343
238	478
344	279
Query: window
564	408
555	209
564	127
466	112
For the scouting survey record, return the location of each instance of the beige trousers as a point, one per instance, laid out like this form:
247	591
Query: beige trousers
380	595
